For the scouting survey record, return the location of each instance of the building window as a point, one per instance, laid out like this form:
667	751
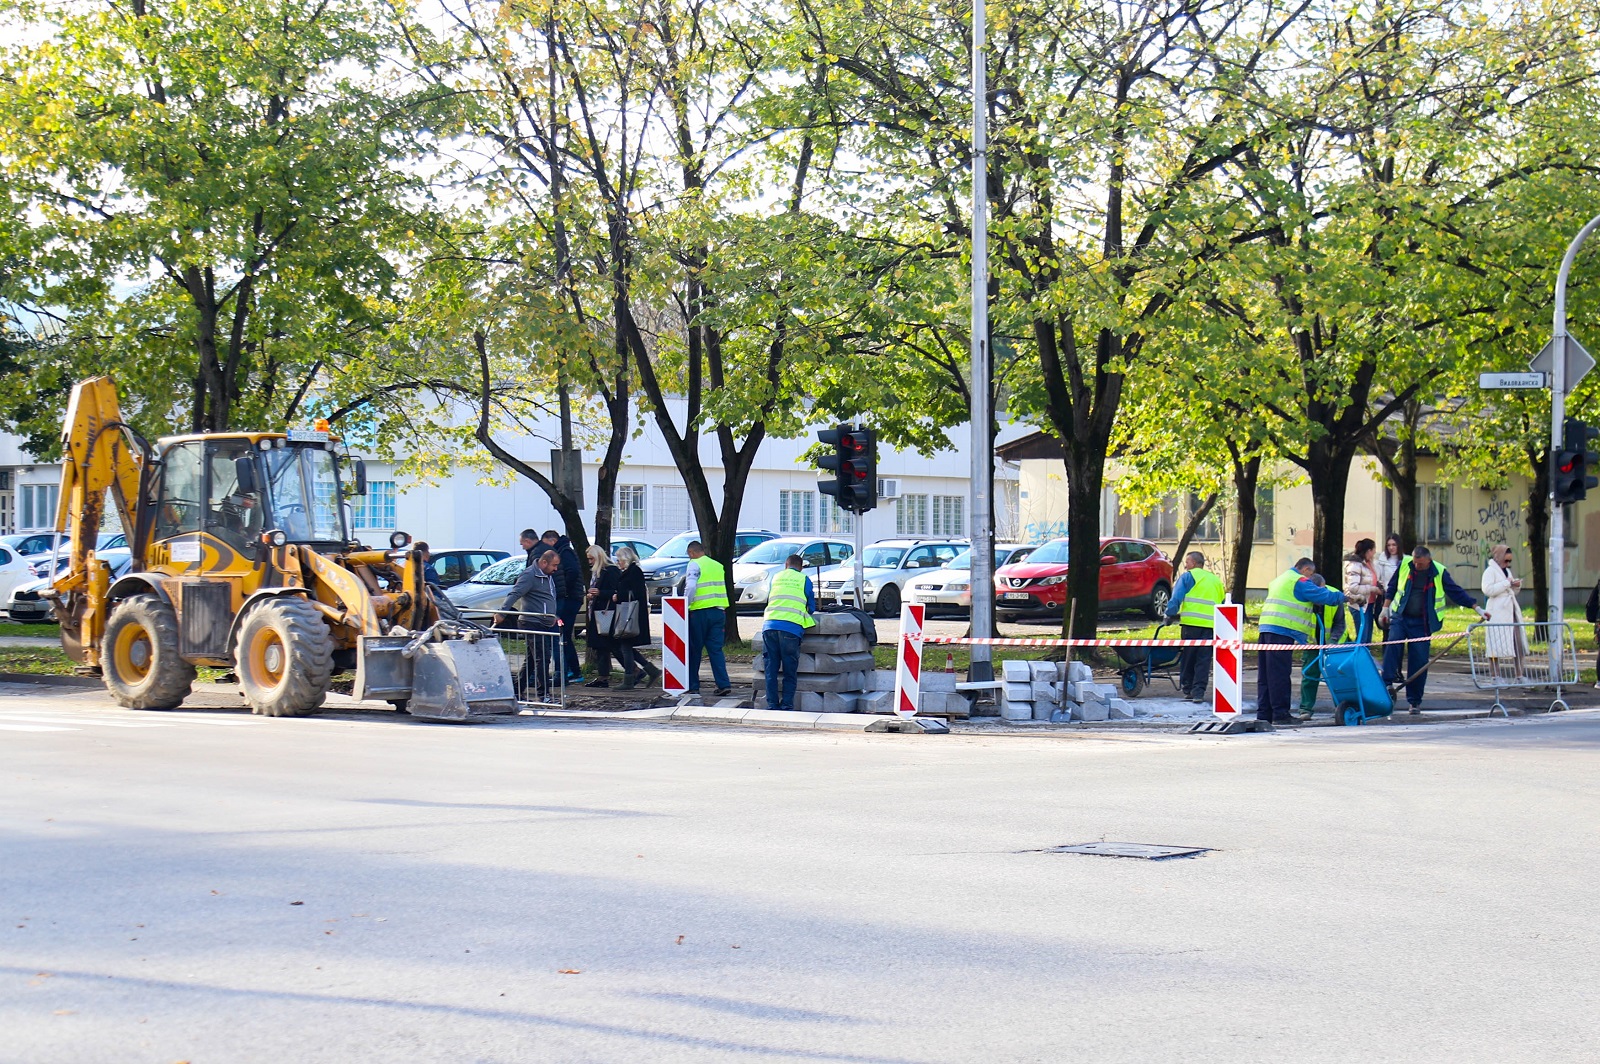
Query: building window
36	508
911	515
1435	517
671	507
834	521
375	509
1161	524
796	512
629	515
1266	502
948	515
1209	530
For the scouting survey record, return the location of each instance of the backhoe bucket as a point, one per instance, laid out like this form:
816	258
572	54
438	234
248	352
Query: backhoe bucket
460	679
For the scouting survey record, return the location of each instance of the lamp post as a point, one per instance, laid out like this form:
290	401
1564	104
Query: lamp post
982	667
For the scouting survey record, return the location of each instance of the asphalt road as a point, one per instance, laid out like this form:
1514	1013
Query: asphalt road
211	887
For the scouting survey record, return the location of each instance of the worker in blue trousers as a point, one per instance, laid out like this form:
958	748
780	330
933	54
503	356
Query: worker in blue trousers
1287	619
1413	605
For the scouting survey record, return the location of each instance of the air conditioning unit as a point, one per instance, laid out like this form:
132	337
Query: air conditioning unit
888	489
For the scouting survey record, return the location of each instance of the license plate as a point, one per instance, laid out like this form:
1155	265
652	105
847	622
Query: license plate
1015	598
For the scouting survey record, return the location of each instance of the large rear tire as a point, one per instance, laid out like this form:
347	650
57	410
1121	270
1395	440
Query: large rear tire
139	659
284	658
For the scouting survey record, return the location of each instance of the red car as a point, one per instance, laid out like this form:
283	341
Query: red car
1134	575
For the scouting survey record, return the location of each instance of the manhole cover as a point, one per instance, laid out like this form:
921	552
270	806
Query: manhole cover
1147	851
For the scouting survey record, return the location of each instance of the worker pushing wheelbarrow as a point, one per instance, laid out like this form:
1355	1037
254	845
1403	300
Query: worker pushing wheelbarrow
1358	690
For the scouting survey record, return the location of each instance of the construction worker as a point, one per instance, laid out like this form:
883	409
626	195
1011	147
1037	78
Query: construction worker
791	600
1287	619
1333	630
1413	603
1198	590
705	585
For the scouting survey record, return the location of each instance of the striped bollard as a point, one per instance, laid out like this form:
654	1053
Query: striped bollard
1227	658
674	645
908	666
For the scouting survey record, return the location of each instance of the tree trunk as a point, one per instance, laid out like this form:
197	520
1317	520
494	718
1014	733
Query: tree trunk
1329	470
1196	519
1246	475
1085	474
1539	530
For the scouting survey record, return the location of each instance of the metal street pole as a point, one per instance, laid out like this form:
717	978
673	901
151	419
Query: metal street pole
982	668
1559	387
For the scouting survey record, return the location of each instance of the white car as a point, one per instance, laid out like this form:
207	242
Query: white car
26	602
889	565
14	569
950	588
754	569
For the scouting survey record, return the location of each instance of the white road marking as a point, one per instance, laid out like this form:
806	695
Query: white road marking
32	727
80	720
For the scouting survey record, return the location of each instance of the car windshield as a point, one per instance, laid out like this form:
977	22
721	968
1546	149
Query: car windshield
504	571
643	550
677	546
1053	552
772	552
882	557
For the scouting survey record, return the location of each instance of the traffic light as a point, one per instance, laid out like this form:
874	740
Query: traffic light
1571	479
854	464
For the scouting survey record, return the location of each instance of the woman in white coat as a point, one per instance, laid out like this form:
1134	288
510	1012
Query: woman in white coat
1505	646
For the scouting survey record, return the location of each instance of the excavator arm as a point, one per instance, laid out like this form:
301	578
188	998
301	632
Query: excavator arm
98	457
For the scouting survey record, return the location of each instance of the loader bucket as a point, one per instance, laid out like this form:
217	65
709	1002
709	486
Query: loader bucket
461	679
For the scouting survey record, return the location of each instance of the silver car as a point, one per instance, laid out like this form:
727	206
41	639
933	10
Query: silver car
27	603
489	587
754	569
950	588
889	565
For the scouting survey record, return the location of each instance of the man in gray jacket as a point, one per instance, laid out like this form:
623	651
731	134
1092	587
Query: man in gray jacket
535	593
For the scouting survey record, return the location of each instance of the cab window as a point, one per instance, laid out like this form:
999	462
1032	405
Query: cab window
182	488
232	515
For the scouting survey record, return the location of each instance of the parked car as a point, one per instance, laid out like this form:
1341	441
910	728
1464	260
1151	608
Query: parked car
455	566
755	568
27	603
14	570
1134	575
38	546
889	565
489	586
640	547
663	573
950	588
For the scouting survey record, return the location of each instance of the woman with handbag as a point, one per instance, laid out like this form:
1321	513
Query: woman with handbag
597	632
630	627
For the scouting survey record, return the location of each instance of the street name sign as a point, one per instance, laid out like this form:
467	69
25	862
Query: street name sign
1512	380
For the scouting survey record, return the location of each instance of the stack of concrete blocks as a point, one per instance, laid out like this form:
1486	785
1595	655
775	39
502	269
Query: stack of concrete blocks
1058	691
836	670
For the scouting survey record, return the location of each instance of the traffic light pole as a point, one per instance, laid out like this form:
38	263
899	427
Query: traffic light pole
982	668
1558	414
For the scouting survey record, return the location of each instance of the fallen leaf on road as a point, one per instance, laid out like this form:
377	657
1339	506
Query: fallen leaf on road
65	1012
733	947
569	971
679	942
297	903
217	892
327	932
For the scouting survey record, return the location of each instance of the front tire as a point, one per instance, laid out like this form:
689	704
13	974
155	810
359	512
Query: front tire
888	602
1158	602
284	658
140	659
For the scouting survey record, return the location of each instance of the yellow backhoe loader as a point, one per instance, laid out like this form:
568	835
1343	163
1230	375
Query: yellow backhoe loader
242	560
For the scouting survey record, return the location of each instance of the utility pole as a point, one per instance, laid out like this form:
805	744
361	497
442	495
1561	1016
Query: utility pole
1560	386
982	668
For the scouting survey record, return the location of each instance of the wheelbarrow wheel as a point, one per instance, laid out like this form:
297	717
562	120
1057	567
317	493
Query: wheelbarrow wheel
1348	714
1132	682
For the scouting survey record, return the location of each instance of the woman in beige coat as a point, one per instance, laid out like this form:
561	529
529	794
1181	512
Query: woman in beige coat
1505	646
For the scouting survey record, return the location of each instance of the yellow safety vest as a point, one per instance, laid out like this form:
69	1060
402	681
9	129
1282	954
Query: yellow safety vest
1331	614
1404	585
1195	609
711	592
786	598
1285	611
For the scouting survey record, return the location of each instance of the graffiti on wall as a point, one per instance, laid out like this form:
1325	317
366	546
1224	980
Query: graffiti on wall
1498	521
1040	531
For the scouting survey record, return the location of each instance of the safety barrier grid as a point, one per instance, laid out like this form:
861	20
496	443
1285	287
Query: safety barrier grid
538	669
1530	654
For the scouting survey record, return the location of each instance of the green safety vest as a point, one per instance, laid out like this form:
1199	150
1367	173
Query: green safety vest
1405	585
1195	609
711	592
1285	611
786	598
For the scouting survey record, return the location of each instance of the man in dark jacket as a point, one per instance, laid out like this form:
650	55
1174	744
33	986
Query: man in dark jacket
535	593
569	598
1416	596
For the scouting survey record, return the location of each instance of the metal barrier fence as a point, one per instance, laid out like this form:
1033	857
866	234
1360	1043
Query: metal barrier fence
1531	654
538	670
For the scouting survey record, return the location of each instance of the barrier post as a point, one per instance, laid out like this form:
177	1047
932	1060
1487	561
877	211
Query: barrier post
908	666
674	644
1227	657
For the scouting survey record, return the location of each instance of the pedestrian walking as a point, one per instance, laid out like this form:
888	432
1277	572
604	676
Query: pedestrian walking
1505	647
1415	602
1387	564
705	585
791	600
631	588
532	608
1198	592
569	599
1363	587
602	594
1287	620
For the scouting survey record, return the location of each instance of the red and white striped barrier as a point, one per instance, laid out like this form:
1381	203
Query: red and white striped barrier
674	644
1227	654
908	669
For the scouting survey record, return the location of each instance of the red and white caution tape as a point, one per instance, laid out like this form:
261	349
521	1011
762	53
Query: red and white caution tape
1040	642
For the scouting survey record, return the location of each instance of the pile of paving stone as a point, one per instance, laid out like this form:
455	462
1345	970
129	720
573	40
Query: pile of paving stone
1058	691
837	673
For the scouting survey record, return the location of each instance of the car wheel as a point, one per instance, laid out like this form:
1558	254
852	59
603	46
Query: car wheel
888	602
1158	602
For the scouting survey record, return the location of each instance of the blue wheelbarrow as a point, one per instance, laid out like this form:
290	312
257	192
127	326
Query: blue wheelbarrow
1140	665
1358	690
